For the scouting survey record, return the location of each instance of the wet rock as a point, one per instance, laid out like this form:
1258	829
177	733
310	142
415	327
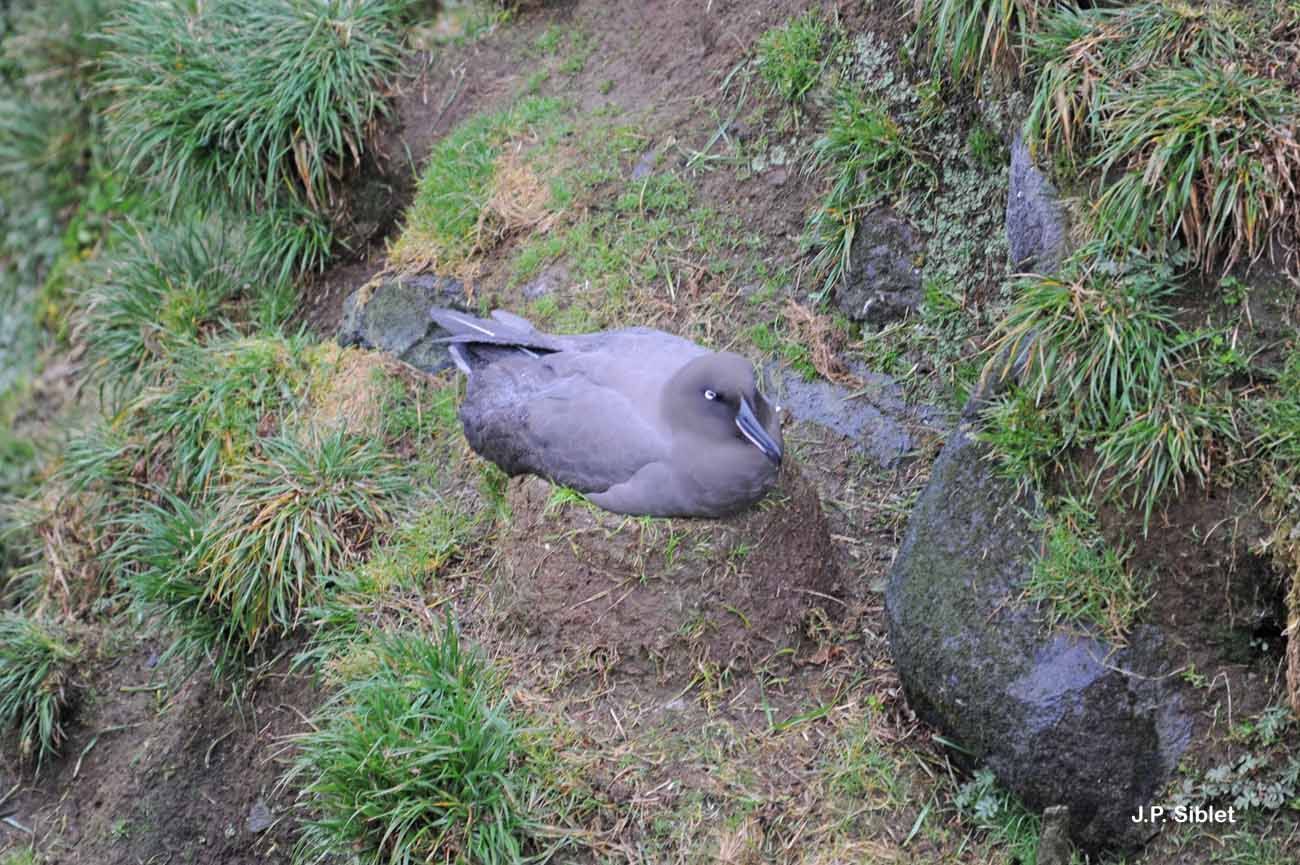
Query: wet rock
883	283
876	416
1037	231
1061	718
393	316
646	165
260	818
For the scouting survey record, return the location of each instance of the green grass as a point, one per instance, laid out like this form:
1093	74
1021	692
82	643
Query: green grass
265	106
234	573
1206	157
415	760
158	291
287	522
972	37
444	223
258	98
1084	56
1106	366
771	339
206	416
869	158
1008	823
20	856
1181	115
1275	416
35	685
790	57
1078	578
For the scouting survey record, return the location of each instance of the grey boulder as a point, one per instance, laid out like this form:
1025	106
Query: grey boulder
393	316
1061	718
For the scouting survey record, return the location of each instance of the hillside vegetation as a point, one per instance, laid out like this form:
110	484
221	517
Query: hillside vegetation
255	588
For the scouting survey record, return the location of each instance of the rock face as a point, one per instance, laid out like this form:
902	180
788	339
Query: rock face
884	282
876	417
1036	224
1062	719
394	317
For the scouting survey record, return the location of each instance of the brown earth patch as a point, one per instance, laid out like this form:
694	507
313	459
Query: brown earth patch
159	768
668	600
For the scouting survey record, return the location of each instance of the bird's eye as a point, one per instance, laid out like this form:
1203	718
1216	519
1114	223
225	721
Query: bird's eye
708	394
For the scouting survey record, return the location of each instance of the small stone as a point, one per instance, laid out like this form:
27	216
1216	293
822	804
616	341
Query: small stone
777	176
260	817
645	166
877	417
1036	225
883	283
549	280
1054	840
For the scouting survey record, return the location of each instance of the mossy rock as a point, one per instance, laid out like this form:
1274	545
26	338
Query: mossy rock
1062	718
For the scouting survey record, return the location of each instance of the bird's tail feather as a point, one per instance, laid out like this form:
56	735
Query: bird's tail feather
503	329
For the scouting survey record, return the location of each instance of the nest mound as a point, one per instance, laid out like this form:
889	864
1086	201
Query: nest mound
661	597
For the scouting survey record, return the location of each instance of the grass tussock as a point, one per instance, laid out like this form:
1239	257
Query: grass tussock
1208	155
35	684
790	58
259	99
415	759
165	289
870	158
970	37
207	416
1184	117
1103	365
240	569
1085	56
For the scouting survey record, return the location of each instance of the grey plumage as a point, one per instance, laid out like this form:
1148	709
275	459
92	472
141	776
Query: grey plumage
641	421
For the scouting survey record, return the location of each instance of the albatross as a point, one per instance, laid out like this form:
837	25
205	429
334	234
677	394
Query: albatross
641	421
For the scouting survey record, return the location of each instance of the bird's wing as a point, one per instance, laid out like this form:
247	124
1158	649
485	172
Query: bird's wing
562	420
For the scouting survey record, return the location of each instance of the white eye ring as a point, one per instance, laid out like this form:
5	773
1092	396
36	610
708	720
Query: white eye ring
708	394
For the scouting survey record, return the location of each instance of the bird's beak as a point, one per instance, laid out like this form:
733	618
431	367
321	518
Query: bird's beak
754	431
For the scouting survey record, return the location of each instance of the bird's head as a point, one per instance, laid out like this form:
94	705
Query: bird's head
716	398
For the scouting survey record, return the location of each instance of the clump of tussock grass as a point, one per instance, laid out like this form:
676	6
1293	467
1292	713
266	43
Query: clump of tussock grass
971	37
290	520
256	98
1183	115
1208	154
1106	367
1084	56
239	569
206	416
415	758
158	291
35	684
790	57
869	157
